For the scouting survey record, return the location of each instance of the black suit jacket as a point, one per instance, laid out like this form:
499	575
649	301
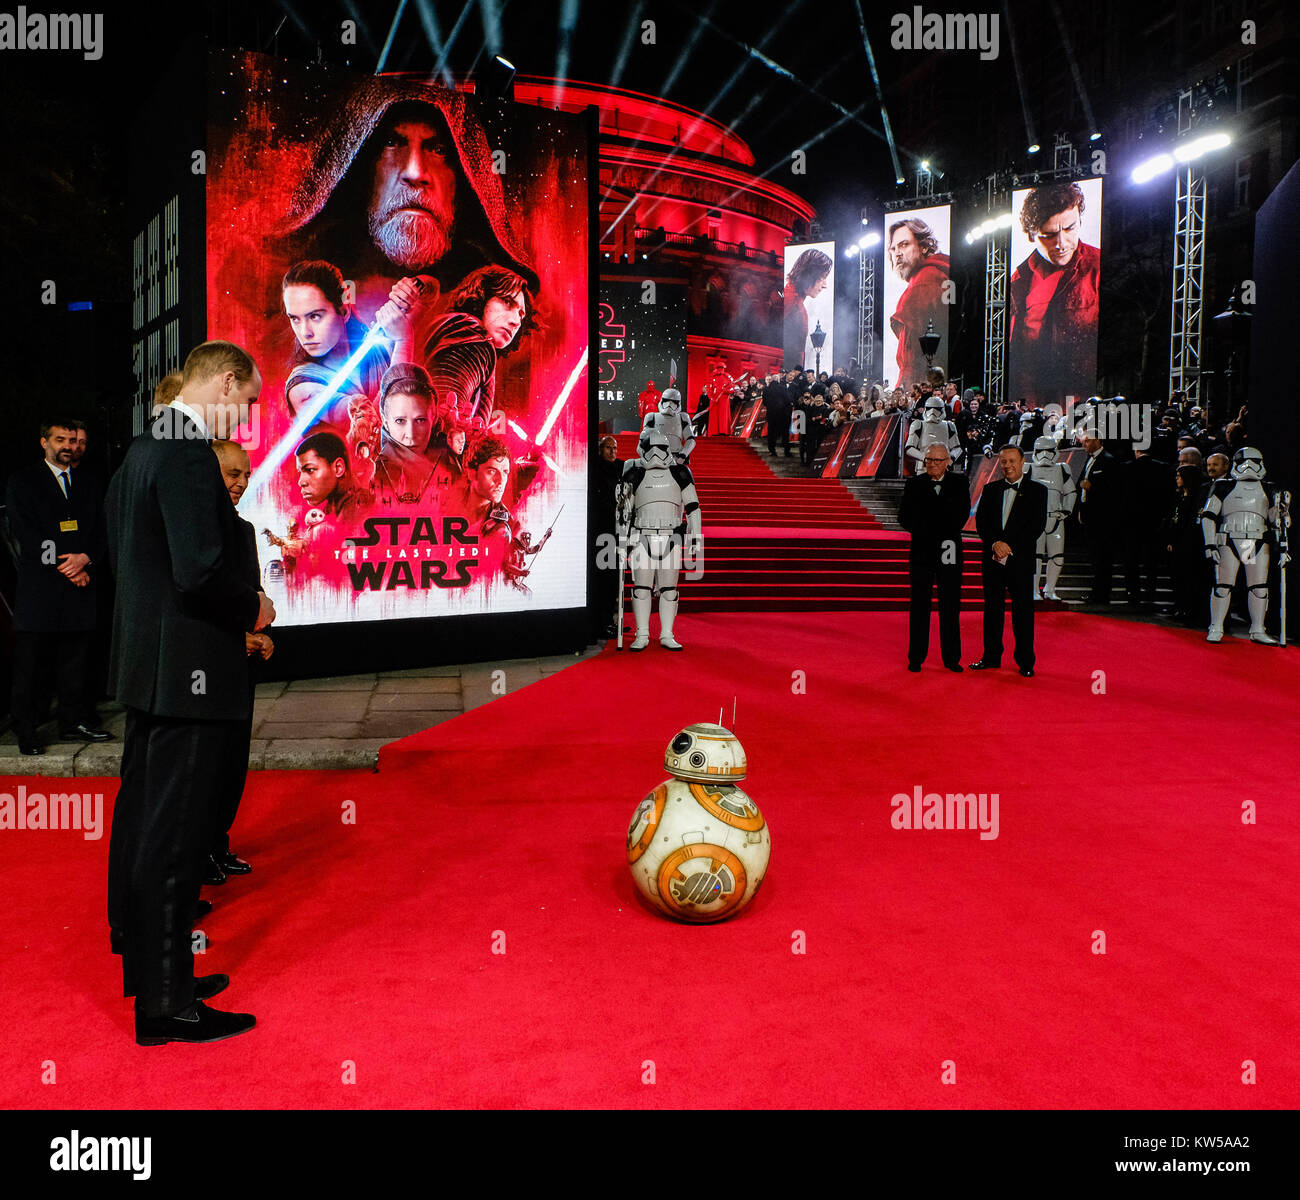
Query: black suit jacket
1105	493
46	601
933	519
1148	487
183	602
1025	523
776	397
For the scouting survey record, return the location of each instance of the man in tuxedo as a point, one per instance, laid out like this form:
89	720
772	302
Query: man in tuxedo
935	507
1100	492
1012	514
1147	486
779	403
178	665
58	525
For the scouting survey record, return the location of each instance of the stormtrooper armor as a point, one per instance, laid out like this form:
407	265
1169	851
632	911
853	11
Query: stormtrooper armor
1062	495
1241	519
932	428
674	424
657	509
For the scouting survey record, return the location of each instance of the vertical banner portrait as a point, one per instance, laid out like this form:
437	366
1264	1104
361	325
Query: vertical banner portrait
809	295
409	270
917	291
1052	296
642	331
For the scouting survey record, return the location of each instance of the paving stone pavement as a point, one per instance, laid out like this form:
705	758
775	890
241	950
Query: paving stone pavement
319	723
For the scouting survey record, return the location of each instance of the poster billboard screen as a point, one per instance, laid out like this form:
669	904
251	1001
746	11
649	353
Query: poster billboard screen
809	295
1052	296
642	332
419	318
917	291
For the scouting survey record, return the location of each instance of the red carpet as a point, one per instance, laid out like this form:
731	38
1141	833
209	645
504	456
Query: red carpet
371	943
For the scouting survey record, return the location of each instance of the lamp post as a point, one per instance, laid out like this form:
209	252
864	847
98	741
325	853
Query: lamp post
1235	322
929	341
818	339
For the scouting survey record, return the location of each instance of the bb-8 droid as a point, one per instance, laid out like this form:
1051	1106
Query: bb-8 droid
697	845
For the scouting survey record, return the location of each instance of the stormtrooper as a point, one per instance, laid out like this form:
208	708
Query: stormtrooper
931	429
1062	494
657	512
1031	427
1243	516
674	424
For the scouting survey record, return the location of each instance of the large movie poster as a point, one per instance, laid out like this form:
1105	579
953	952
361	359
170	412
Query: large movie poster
409	270
918	291
809	301
1052	297
642	332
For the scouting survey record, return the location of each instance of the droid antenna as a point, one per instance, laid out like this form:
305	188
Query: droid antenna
719	716
733	713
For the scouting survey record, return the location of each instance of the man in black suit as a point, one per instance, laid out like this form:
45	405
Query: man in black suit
935	507
1100	493
1012	514
59	528
778	402
1148	484
178	665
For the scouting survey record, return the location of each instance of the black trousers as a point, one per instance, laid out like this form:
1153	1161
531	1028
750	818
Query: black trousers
778	430
1142	553
34	655
1101	552
922	577
808	443
162	825
1016	582
234	775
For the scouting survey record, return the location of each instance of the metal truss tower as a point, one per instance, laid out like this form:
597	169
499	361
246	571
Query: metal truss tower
996	255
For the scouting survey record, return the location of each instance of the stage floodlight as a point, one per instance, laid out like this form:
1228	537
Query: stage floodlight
498	79
1148	170
1186	151
852	250
1094	136
925	166
1034	148
872	239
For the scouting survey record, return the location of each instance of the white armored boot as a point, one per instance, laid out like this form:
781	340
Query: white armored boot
1218	612
668	600
641	601
1257	605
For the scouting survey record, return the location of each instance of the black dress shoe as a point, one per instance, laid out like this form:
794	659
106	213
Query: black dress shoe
30	746
955	667
212	872
984	665
913	666
202	909
1027	672
232	864
198	1023
84	733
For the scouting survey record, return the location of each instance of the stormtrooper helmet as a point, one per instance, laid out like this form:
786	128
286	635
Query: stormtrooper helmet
934	409
706	753
670	401
655	451
1248	463
1044	451
1026	419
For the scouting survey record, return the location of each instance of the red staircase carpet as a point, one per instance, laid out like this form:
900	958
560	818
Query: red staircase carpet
370	944
774	544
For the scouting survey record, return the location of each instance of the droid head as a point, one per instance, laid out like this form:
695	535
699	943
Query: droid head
655	451
934	409
1248	463
706	753
1044	451
670	401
